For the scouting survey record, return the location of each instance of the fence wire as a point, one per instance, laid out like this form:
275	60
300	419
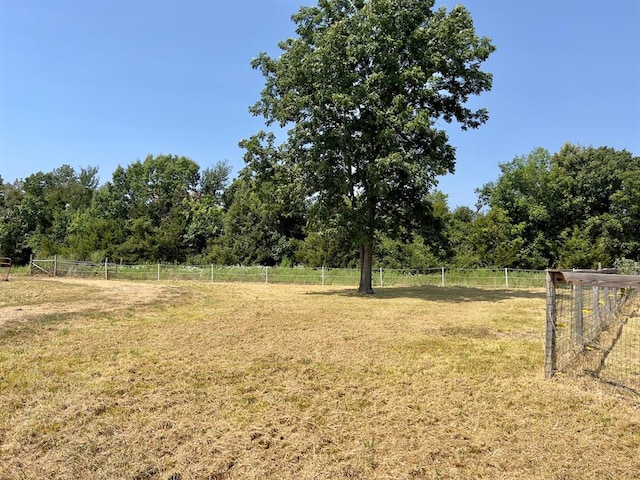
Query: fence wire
381	277
597	333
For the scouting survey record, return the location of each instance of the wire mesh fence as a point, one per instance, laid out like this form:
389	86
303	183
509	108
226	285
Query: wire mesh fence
593	327
381	277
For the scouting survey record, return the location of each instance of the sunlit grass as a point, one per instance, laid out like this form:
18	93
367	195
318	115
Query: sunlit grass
278	381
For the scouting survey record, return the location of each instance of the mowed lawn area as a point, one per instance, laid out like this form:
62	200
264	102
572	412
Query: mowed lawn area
120	380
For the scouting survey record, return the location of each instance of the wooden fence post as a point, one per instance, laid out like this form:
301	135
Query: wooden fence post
550	343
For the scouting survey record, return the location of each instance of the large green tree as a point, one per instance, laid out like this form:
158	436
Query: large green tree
263	222
600	192
15	223
206	211
575	208
157	194
142	213
363	89
36	212
160	209
524	223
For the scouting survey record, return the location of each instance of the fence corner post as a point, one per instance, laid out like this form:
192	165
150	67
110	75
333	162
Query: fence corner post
550	341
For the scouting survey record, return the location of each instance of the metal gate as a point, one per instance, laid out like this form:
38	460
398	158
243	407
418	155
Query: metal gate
5	268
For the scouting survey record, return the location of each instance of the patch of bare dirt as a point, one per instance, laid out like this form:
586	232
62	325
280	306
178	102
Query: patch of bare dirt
88	295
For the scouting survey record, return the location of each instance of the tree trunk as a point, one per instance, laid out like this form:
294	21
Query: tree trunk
366	264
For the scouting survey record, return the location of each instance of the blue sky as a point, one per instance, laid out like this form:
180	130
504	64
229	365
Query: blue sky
106	82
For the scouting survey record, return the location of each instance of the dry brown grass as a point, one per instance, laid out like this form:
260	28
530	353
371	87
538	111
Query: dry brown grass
246	381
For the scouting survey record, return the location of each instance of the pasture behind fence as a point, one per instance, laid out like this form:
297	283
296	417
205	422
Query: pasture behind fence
382	277
593	326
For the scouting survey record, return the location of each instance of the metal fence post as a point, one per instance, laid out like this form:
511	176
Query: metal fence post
381	277
323	275
106	268
506	277
55	265
158	271
611	304
442	269
212	273
596	309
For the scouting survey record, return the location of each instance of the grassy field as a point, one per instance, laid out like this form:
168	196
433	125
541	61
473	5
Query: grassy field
152	380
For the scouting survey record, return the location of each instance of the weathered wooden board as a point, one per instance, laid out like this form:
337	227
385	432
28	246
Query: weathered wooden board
595	279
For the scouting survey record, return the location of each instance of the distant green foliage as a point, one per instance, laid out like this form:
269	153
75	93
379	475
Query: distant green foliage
36	212
576	208
544	210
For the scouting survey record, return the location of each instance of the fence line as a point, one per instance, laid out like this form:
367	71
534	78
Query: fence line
593	326
382	277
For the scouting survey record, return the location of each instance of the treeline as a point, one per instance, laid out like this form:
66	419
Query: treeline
574	208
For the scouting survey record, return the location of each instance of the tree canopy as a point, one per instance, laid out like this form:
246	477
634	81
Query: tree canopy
575	208
362	88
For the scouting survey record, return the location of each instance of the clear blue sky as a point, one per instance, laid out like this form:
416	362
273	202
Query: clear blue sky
106	82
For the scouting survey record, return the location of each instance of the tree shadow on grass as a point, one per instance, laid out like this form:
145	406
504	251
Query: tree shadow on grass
438	294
